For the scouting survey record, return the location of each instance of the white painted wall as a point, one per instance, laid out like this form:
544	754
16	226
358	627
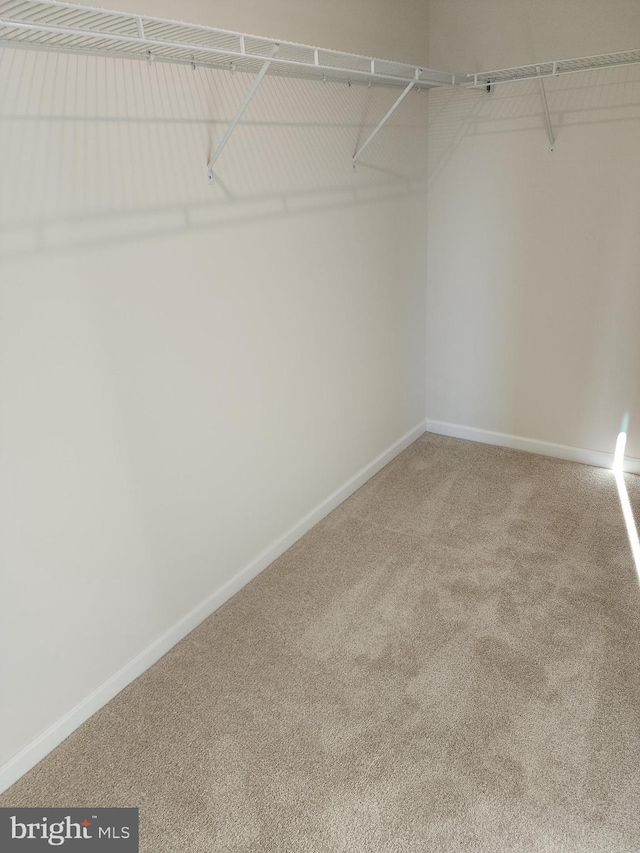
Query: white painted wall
534	258
185	372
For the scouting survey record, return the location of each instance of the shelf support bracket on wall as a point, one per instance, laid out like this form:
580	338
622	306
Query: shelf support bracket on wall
386	118
243	106
547	115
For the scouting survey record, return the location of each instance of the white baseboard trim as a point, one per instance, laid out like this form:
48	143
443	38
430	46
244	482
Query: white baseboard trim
532	445
34	752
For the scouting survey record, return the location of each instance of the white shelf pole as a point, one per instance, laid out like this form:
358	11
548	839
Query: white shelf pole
385	119
547	115
243	106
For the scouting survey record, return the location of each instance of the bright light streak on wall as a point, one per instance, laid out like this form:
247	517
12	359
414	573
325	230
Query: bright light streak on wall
627	511
618	456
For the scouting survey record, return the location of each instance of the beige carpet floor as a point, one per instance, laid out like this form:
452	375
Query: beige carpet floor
449	662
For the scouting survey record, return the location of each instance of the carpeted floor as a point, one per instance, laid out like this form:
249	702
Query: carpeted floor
449	662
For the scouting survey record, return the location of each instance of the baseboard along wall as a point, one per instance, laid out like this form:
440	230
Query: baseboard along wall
34	752
532	445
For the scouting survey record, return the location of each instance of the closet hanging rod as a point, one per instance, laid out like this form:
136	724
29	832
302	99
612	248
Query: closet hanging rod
550	69
53	25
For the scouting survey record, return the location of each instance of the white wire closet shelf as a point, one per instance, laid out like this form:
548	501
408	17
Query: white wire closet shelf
550	69
52	25
56	26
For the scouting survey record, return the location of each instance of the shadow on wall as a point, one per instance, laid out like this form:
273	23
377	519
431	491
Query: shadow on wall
98	150
575	100
534	259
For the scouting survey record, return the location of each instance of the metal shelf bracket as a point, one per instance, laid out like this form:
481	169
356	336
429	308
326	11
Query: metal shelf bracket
387	116
547	115
243	106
